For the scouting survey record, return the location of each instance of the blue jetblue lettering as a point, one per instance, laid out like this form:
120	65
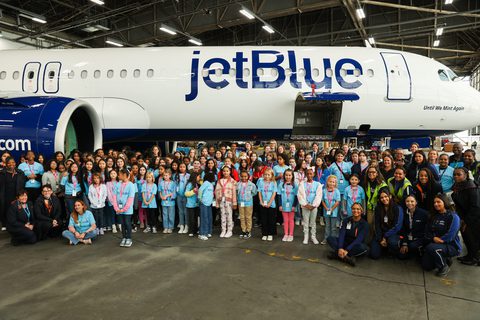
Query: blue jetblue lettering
271	60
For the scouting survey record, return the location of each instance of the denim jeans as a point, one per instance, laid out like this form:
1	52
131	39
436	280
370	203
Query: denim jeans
70	236
205	220
98	216
182	210
126	222
168	216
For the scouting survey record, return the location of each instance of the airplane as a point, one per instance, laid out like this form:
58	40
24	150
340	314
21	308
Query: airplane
58	100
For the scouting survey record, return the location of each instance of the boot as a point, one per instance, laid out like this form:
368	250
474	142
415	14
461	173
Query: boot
181	229
305	237
314	239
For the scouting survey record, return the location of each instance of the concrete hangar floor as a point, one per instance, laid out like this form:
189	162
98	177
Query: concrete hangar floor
176	277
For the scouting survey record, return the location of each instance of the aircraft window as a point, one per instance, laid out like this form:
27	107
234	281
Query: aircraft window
356	72
218	72
110	74
315	72
3	75
246	72
136	73
288	72
329	72
97	74
31	74
443	75
370	73
260	72
16	75
274	72
150	73
84	74
71	74
123	73
301	72
233	72
452	75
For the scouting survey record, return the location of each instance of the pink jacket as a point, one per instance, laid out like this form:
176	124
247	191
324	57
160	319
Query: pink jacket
226	188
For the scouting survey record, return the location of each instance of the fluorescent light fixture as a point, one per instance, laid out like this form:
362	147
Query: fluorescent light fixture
247	13
439	32
371	40
114	43
448	1
196	42
436	43
360	13
268	29
1	34
39	19
99	2
167	29
102	27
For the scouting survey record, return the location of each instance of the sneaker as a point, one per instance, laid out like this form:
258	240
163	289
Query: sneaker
222	235
322	221
264	238
114	229
108	229
297	223
4	229
147	230
469	262
185	229
128	243
101	232
209	235
165	231
87	241
314	240
270	238
285	238
180	231
122	244
120	228
169	230
154	230
134	229
228	234
247	235
242	235
349	260
203	238
142	226
442	272
324	242
190	234
305	239
70	243
290	238
278	223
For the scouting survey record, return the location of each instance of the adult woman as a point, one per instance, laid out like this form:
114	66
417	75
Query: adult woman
33	170
11	182
442	238
373	184
21	220
48	214
350	242
3	160
52	176
387	168
467	203
426	188
388	224
59	156
399	186
81	227
419	162
341	170
413	231
361	167
432	156
73	187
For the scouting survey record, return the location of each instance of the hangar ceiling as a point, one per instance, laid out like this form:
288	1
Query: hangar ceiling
409	25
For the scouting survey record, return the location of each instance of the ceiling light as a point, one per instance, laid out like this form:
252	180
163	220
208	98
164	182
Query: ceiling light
247	13
371	40
448	1
196	42
439	32
114	43
436	43
39	19
100	2
360	13
167	29
268	29
1	34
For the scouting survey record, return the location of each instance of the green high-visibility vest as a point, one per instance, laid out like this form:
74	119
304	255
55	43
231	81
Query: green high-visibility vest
398	197
372	199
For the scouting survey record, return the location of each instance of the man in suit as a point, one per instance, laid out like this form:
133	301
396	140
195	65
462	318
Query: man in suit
315	153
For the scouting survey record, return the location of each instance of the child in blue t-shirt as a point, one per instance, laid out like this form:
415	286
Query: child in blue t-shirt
246	190
205	196
330	203
267	190
354	193
149	203
168	192
288	201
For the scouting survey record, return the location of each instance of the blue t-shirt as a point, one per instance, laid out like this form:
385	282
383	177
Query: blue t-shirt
192	201
205	193
337	169
311	190
446	177
123	192
321	176
85	221
70	187
36	169
140	183
165	188
267	190
245	193
330	198
288	195
147	191
277	170
352	197
182	183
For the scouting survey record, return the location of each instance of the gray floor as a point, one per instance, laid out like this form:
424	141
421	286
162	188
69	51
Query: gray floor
176	277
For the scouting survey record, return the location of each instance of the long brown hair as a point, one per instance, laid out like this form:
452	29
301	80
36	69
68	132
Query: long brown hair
75	213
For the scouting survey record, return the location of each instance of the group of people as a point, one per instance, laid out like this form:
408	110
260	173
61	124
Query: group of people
369	202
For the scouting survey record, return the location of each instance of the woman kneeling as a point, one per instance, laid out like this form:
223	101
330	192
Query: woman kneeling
82	226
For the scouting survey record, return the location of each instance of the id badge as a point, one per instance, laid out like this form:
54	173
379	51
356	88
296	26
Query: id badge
349	226
223	199
287	206
178	188
329	213
385	219
74	193
341	181
242	204
265	203
120	206
410	237
32	181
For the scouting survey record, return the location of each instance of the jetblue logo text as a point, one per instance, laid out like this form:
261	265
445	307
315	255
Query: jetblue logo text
270	59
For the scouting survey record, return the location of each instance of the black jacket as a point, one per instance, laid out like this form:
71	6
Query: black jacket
467	201
19	179
386	226
357	168
413	169
417	229
17	217
41	212
426	194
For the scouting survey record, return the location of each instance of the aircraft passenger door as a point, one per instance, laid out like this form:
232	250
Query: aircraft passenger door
31	74
51	77
399	82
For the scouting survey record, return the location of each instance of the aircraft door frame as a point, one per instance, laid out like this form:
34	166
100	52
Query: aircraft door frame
49	83
399	80
31	85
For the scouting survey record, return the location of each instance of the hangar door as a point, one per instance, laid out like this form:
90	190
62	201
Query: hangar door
399	82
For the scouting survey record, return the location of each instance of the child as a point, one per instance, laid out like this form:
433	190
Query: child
193	210
288	198
267	191
205	195
97	194
226	198
245	192
310	197
123	199
112	219
142	216
149	203
331	201
354	193
181	179
167	190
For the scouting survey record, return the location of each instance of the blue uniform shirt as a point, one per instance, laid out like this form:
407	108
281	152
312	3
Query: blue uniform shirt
85	221
147	191
330	198
36	169
70	187
245	193
267	190
446	178
165	188
205	193
288	195
352	197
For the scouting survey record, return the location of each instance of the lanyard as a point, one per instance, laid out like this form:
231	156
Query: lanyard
74	182
243	189
32	168
339	168
330	195
98	191
266	186
308	189
224	185
27	211
166	186
149	192
89	178
287	191
441	173
410	218
319	174
354	194
55	174
122	189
